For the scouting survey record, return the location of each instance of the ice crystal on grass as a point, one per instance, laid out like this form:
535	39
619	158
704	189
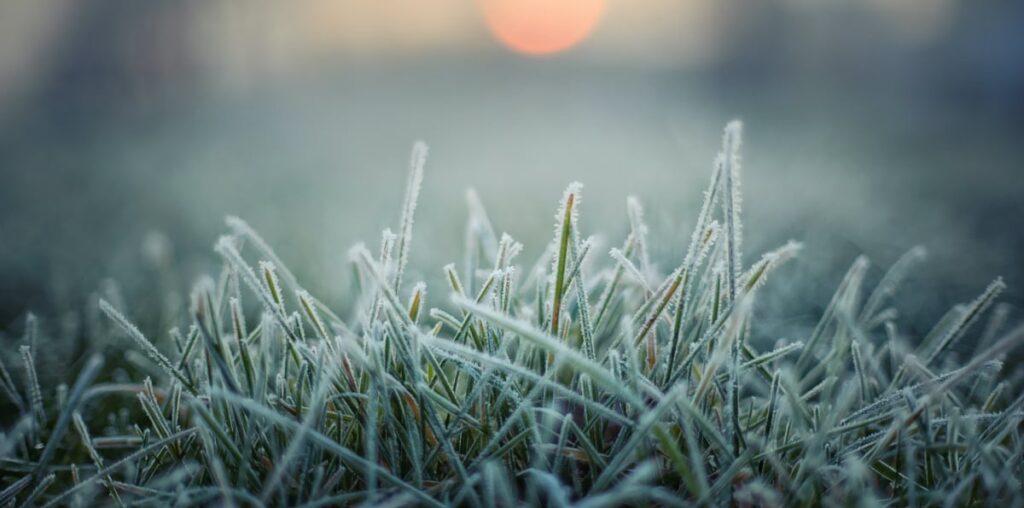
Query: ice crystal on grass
568	380
412	193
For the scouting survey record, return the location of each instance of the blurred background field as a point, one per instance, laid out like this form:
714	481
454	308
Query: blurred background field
872	126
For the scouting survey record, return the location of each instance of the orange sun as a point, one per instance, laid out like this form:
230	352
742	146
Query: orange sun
541	27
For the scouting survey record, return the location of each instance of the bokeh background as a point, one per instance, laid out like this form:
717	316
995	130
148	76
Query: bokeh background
132	128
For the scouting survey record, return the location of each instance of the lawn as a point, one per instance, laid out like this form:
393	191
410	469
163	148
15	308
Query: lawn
582	378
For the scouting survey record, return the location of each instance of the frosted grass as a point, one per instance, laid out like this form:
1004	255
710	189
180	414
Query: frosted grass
568	380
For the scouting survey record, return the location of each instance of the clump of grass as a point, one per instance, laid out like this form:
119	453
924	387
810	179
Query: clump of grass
575	382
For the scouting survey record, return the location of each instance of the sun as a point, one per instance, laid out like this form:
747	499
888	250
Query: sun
541	27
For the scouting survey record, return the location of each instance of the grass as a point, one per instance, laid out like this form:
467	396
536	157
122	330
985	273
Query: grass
582	382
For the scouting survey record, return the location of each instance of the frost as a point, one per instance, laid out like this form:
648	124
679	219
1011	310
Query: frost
412	192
